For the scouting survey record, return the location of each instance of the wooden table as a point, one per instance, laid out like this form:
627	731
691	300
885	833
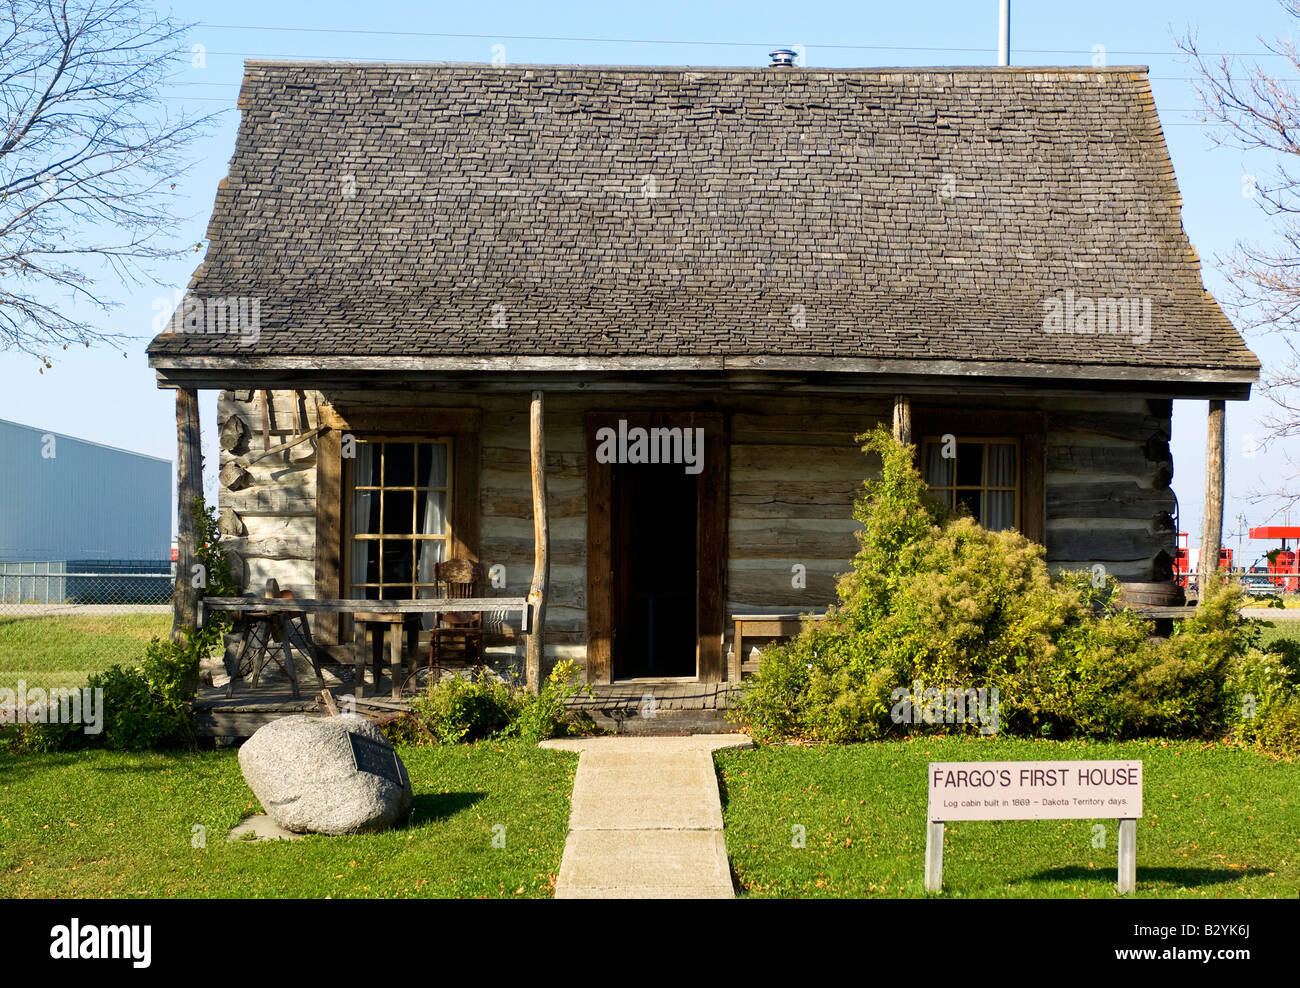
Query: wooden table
785	625
374	611
294	633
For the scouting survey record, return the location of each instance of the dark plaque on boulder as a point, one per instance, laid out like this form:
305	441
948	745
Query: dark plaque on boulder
377	759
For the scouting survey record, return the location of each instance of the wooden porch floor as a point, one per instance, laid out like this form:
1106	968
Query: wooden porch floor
630	706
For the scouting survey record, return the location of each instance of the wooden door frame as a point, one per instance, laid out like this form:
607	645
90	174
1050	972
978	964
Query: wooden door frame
710	543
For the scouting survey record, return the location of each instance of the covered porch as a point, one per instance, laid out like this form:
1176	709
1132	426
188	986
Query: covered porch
560	529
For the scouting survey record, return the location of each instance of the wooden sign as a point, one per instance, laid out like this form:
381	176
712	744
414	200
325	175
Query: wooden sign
1074	790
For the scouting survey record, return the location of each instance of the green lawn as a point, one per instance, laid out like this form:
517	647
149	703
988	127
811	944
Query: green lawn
103	824
1280	629
1217	822
62	651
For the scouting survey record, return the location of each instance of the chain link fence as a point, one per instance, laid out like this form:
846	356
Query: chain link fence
61	621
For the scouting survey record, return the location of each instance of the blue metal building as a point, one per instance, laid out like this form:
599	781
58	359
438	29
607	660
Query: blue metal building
70	506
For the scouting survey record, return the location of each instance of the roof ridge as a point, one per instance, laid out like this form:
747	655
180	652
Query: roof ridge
763	69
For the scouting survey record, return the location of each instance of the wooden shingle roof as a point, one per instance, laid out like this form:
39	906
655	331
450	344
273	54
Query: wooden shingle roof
768	216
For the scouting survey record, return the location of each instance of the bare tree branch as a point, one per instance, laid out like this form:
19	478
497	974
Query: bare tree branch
90	157
1255	111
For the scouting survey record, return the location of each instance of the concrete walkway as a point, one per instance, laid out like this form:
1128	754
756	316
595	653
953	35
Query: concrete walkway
1272	613
646	821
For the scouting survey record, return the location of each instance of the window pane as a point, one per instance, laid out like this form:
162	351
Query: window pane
970	464
938	469
399	517
432	471
431	513
399	464
365	469
365	562
1001	510
365	513
398	566
974	500
428	621
398	556
428	553
1002	465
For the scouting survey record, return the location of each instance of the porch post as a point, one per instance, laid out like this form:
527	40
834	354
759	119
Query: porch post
903	419
189	485
537	592
1212	534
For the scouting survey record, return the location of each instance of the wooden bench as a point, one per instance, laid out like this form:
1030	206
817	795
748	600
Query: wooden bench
783	625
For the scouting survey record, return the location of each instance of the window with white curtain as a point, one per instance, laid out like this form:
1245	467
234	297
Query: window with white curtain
399	517
981	473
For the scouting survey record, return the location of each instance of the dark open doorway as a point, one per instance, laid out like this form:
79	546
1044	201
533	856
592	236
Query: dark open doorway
632	536
654	539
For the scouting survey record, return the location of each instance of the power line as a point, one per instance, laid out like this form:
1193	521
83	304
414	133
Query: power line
277	56
713	44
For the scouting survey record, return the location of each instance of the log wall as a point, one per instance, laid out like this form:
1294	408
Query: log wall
1108	497
794	471
268	516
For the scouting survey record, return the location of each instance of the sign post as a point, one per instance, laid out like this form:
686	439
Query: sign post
1034	791
1128	855
934	855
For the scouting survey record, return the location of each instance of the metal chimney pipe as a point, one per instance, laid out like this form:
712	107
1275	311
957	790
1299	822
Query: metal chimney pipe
1004	32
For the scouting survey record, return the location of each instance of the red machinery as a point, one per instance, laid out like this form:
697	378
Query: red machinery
1283	564
1182	559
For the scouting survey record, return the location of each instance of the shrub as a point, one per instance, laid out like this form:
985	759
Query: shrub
1182	691
41	737
458	710
1263	697
144	707
935	598
135	714
545	716
775	704
148	705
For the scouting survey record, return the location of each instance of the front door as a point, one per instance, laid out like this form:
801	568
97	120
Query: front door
653	547
656	546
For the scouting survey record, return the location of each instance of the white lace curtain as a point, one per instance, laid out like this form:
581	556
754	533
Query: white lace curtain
363	503
1000	506
430	552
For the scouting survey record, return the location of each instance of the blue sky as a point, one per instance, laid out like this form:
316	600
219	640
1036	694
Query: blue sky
109	395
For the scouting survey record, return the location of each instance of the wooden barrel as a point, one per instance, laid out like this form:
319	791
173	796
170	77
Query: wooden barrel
1166	594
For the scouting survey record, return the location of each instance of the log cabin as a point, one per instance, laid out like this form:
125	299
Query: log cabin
611	332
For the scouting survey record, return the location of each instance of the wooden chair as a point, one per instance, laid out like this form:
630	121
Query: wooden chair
461	579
